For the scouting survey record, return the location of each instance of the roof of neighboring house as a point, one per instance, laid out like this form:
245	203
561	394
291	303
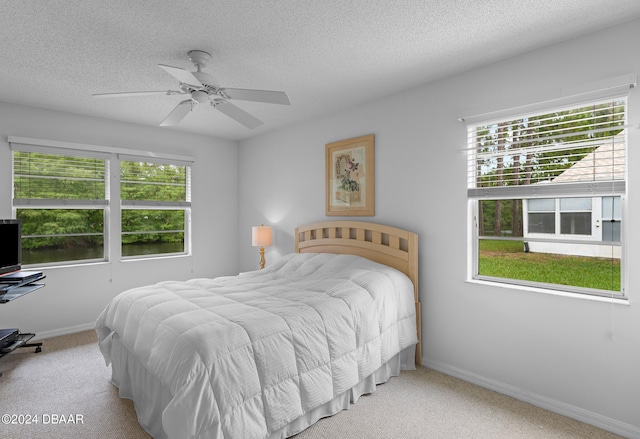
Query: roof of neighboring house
605	163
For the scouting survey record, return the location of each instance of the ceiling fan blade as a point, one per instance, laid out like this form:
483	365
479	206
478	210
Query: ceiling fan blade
136	93
178	113
267	96
238	114
182	75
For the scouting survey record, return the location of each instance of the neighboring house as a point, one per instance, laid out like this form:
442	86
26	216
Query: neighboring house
585	226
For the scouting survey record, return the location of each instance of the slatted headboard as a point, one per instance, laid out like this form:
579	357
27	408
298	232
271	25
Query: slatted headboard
386	245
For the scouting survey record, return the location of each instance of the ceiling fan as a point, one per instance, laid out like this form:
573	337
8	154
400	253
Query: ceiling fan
202	88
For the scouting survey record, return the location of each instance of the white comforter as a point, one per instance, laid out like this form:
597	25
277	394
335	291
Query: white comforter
245	355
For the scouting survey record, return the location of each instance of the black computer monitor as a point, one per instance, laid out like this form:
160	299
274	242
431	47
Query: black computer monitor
10	245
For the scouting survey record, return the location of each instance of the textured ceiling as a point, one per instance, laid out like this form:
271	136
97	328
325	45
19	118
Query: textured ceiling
326	54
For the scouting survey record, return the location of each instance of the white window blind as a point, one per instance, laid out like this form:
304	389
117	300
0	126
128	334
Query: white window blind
155	183
57	178
575	150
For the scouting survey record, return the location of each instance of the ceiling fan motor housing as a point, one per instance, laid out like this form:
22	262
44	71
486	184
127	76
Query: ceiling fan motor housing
200	96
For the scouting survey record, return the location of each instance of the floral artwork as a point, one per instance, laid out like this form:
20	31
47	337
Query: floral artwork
350	177
347	171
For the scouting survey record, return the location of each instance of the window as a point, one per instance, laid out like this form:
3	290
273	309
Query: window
62	193
155	207
562	216
542	215
575	216
546	192
61	200
611	219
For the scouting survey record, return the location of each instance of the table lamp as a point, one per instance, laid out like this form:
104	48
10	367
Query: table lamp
261	237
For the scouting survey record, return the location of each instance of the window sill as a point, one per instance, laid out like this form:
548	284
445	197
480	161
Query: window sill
612	300
63	265
154	257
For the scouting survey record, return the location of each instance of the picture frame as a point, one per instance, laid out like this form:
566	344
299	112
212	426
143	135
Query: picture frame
350	177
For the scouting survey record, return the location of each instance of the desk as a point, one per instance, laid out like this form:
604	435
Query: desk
15	293
19	340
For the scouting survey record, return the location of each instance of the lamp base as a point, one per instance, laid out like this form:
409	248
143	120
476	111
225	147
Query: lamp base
262	259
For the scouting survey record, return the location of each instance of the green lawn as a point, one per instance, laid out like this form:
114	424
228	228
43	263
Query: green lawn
507	259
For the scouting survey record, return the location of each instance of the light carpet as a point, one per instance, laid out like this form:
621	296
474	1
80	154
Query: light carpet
69	378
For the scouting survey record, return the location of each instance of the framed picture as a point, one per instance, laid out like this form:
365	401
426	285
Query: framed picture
350	177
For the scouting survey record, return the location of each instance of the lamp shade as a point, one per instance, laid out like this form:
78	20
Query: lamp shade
261	236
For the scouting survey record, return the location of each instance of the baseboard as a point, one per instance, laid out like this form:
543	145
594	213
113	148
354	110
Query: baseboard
65	331
614	426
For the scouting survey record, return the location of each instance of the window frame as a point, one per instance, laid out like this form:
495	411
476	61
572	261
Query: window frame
112	221
185	205
65	203
555	191
557	214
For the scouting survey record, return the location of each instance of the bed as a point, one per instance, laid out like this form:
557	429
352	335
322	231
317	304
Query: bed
267	353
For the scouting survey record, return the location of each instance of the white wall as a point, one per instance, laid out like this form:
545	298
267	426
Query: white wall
74	296
576	356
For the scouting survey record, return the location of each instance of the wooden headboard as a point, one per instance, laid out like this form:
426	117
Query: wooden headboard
386	245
